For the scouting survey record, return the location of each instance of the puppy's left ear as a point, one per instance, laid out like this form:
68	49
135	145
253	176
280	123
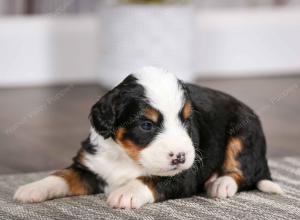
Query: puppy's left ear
103	115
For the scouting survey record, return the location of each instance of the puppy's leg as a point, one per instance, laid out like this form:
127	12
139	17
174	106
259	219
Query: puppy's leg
72	181
221	187
144	190
47	188
245	167
231	177
132	195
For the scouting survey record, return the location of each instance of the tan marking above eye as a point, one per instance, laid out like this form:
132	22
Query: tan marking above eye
130	148
151	114
231	166
187	110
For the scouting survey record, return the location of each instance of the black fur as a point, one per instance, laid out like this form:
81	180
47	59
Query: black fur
215	114
216	117
119	103
123	107
140	137
88	147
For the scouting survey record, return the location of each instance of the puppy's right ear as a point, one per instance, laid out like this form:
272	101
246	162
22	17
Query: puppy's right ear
103	115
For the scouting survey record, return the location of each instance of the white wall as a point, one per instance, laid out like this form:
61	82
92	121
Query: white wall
47	50
248	42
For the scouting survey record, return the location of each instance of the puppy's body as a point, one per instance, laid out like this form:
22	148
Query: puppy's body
154	138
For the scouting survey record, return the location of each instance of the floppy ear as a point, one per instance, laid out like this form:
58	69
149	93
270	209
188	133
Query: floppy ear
103	115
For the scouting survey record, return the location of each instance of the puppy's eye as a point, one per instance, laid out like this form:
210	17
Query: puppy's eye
146	125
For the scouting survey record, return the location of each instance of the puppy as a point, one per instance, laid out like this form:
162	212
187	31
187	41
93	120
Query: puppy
154	137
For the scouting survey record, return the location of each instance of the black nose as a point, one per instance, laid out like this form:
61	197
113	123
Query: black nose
180	158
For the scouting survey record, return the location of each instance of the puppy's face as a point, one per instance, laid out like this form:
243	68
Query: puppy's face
149	115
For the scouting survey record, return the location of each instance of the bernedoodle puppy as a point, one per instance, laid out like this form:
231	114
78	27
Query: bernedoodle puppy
154	137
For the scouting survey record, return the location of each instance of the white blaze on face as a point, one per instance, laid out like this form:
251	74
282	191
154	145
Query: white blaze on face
165	94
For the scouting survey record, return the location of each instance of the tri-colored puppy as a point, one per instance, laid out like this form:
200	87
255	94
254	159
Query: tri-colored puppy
154	137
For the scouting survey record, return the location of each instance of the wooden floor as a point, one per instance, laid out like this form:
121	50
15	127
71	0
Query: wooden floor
41	128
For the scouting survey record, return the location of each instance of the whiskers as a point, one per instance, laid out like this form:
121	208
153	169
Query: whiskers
198	162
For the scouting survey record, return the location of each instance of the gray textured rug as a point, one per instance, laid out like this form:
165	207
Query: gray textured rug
246	205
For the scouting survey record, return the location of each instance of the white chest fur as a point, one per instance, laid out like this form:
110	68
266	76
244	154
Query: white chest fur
111	163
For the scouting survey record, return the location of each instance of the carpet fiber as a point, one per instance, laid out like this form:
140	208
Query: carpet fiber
245	205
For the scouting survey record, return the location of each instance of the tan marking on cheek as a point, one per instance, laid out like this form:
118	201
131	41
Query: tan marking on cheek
187	110
151	114
131	149
76	186
231	166
148	181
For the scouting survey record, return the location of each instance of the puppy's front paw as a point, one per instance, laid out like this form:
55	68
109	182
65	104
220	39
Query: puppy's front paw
39	191
130	196
31	192
222	187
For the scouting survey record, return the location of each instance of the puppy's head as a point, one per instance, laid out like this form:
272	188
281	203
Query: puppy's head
148	115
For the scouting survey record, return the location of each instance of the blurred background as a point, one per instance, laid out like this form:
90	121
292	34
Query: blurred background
57	57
